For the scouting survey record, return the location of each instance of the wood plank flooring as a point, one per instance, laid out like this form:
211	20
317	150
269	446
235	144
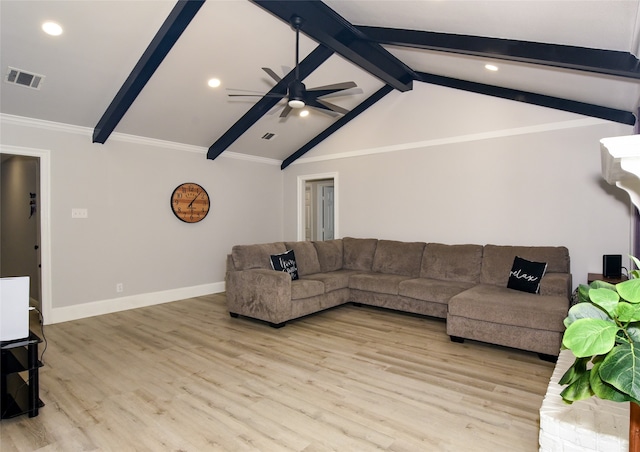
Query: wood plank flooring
185	376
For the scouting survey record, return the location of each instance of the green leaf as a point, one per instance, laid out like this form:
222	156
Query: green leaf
627	312
583	293
633	331
635	273
621	369
578	390
577	369
603	389
605	298
598	284
629	290
588	337
585	311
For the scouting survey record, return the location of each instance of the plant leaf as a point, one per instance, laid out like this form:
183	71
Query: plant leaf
598	284
627	312
635	273
607	299
629	290
585	311
634	332
621	369
574	372
588	337
578	390
603	389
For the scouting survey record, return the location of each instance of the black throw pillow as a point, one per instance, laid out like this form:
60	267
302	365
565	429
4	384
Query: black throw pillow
526	275
285	262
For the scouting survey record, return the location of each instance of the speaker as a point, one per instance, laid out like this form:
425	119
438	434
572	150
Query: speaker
612	265
14	308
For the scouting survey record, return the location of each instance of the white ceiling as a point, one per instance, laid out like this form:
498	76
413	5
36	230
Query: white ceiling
232	39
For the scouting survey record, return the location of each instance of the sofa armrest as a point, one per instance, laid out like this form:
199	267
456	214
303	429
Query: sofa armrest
259	293
556	284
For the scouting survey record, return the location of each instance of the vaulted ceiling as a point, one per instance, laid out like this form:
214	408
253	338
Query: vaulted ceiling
141	67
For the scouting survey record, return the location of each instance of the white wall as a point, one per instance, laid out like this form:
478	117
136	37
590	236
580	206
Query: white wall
131	236
535	182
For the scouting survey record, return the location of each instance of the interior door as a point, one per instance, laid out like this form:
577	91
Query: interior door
327	212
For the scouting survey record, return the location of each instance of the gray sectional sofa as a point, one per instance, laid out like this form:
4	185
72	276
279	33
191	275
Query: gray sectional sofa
464	284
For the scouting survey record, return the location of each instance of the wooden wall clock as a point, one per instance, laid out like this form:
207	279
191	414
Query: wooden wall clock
190	202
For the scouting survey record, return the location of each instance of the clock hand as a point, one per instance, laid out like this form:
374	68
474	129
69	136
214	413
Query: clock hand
191	203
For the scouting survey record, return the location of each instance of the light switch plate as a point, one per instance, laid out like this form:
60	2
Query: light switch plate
79	213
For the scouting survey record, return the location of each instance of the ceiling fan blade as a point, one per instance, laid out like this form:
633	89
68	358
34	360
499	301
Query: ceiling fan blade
285	111
335	86
326	90
322	104
272	74
280	96
346	92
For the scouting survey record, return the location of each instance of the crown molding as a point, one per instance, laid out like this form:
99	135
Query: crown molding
124	137
585	122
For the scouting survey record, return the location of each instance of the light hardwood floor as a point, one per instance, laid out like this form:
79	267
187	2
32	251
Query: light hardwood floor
185	376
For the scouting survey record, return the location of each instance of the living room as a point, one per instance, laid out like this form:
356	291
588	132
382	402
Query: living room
434	164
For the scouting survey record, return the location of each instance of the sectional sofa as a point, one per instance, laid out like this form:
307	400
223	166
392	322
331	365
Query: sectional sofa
464	284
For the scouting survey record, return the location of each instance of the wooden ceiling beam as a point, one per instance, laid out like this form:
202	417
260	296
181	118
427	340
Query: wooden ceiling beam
375	97
327	27
168	34
596	111
607	62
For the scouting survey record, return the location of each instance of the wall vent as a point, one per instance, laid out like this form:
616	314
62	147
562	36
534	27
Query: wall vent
24	78
268	136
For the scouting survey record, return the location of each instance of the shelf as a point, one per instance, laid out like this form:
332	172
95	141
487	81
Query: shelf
19	377
15	360
16	400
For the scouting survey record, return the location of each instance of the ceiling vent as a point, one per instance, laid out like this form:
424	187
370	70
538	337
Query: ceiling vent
268	136
24	78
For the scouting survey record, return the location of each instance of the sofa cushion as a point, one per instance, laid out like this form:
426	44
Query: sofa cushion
306	257
358	253
246	257
498	259
526	275
333	280
398	258
305	288
330	255
434	290
501	305
377	282
452	262
285	262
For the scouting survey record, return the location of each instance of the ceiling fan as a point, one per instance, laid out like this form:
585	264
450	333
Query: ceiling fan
298	96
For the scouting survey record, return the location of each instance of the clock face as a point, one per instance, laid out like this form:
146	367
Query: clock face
190	202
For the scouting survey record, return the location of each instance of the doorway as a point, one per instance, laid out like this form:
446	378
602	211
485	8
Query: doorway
24	221
317	207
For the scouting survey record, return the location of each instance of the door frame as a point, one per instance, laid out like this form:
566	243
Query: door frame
302	182
44	205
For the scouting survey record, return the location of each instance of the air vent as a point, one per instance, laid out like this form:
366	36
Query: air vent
268	136
24	78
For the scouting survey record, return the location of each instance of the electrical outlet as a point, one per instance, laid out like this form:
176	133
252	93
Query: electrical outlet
79	213
119	287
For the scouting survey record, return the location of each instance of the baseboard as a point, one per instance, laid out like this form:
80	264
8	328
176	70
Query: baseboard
67	313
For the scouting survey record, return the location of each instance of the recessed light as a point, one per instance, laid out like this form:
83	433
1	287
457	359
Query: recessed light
52	28
304	113
491	67
213	82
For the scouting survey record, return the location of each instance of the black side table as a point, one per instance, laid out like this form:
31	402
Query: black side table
19	358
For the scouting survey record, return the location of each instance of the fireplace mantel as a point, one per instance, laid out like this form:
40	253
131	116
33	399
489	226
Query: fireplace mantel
621	164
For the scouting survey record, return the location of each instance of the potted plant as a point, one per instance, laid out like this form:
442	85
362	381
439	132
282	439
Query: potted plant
603	332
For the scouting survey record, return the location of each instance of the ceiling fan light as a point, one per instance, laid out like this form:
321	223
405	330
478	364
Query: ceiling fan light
296	103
